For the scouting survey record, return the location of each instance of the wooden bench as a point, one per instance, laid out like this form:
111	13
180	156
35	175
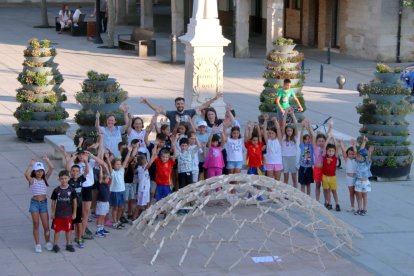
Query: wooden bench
56	141
140	40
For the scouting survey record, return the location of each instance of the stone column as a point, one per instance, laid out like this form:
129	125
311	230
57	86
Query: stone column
242	9
132	13
274	22
120	12
204	56
147	14
177	17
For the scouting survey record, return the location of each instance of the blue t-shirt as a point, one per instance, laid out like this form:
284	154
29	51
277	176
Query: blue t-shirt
306	155
363	168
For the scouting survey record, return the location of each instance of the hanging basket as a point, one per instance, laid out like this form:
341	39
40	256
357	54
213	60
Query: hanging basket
285	48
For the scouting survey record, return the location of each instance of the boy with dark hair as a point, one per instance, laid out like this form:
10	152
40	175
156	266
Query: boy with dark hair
329	174
64	203
185	162
283	98
164	164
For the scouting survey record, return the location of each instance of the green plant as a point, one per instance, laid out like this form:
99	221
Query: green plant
390	162
95	76
36	43
59	115
23	115
397	70
281	41
383	68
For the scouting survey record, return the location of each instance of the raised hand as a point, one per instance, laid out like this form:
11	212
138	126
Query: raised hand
32	161
266	117
249	124
143	100
214	129
353	142
177	119
228	107
97	115
46	158
124	107
62	148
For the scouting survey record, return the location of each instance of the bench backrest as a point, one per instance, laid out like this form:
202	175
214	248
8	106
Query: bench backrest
81	18
142	34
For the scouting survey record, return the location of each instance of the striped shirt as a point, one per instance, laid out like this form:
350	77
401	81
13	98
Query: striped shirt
38	187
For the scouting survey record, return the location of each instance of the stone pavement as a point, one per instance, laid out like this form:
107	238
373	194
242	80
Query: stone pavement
388	229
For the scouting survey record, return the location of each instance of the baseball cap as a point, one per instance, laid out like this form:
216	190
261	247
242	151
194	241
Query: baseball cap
38	166
80	150
202	123
363	152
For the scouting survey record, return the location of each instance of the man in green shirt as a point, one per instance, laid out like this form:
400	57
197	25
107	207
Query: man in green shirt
283	97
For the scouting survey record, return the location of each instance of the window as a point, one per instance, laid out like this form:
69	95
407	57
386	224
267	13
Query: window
297	4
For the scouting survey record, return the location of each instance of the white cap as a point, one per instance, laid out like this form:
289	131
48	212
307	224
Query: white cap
38	166
202	123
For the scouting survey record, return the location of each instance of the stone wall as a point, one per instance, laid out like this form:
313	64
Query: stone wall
293	23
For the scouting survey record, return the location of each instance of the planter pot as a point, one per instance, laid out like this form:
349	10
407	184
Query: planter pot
391	148
290	64
386	172
37	88
386	128
270	93
268	99
285	48
39	69
382	139
102	107
392	118
283	55
271	90
268	107
56	86
297	89
40	59
387	98
42	124
397	158
37	105
40	116
388	77
87	129
101	85
35	135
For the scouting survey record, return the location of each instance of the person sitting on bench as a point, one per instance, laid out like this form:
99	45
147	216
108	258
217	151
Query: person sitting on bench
64	17
76	15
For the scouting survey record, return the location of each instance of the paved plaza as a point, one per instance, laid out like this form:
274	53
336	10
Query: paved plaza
388	229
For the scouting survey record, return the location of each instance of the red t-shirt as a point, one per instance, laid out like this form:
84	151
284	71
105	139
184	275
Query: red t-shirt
329	166
254	156
163	171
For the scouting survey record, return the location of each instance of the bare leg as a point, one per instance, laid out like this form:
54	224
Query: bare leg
35	220
308	189
277	175
67	236
365	201
295	179
359	200
270	174
56	237
352	196
286	178
326	194
45	223
114	214
302	188
86	206
335	196
318	190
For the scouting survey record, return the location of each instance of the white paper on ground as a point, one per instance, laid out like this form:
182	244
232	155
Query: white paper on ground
266	259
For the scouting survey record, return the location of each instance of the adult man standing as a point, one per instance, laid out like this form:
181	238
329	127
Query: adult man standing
180	111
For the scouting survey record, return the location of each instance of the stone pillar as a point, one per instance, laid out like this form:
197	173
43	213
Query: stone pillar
242	9
204	56
120	10
147	14
132	13
177	17
274	22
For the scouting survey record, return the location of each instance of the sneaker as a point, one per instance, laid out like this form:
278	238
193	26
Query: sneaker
81	243
123	220
329	206
106	232
70	248
99	234
49	246
56	248
88	232
259	198
338	208
87	236
75	25
117	225
362	213
357	212
351	210
38	248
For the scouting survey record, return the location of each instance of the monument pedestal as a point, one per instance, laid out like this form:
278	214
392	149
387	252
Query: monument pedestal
204	61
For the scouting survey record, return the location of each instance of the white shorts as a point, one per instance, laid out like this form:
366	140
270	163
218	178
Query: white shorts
350	180
143	198
196	173
102	208
362	186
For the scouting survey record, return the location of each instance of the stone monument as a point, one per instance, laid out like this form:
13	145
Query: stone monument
204	56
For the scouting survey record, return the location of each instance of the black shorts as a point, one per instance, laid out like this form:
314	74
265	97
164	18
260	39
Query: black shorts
78	218
87	193
184	179
95	178
201	167
305	175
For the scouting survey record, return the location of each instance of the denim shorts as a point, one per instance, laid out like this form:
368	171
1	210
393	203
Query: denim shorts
38	206
116	199
231	165
129	191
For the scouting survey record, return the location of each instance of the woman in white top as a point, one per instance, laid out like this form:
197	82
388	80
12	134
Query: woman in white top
112	134
350	169
64	17
273	138
136	130
290	148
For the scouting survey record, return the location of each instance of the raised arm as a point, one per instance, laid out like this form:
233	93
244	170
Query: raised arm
97	123
364	142
302	131
266	118
28	171
343	149
295	121
370	151
209	102
125	108
279	131
126	161
49	167
223	134
248	131
229	114
158	109
298	103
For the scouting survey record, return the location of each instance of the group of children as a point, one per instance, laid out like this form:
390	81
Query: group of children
97	179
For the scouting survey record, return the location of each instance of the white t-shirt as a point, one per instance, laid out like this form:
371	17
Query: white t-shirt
76	15
273	152
118	182
140	136
289	148
202	138
234	148
65	16
90	179
195	156
234	124
350	166
143	180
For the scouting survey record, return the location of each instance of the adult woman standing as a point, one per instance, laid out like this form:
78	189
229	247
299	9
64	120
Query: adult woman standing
112	134
211	119
64	17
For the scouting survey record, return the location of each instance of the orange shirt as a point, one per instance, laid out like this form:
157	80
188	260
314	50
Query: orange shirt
254	154
163	171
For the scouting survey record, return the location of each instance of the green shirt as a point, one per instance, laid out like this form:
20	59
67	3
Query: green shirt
285	97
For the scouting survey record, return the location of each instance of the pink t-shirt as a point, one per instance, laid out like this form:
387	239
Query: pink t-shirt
214	158
317	156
